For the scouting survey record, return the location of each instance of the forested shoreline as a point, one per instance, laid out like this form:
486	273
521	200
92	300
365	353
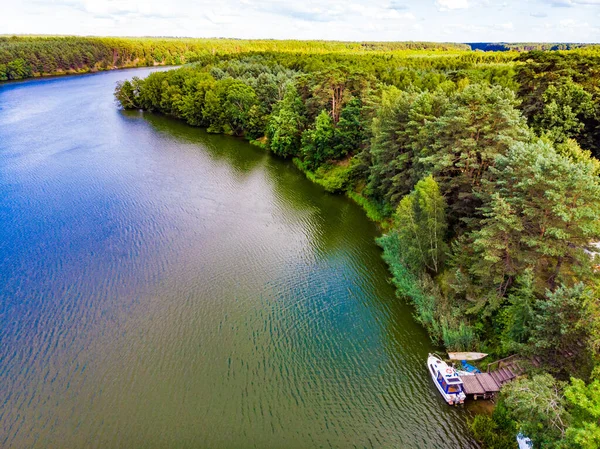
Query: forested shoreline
24	57
481	168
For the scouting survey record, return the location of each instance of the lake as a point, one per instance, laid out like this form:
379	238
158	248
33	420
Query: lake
164	287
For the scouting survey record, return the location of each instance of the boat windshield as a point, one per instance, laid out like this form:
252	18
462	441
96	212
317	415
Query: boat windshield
454	389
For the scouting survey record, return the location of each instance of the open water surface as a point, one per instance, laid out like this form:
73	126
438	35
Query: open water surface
162	287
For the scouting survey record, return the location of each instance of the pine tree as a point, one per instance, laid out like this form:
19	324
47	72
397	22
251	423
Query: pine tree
497	245
481	123
558	203
560	332
399	135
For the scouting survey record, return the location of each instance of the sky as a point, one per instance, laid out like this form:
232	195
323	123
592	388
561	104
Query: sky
355	20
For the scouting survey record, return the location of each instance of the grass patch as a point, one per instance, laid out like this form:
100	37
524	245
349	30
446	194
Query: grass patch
372	210
335	178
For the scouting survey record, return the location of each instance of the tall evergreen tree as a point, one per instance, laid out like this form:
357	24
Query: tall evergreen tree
399	136
561	330
480	124
556	204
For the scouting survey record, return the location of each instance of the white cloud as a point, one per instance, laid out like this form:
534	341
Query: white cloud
472	20
504	26
571	3
398	5
444	5
377	13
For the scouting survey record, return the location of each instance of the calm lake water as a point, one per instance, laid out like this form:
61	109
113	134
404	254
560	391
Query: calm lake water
162	287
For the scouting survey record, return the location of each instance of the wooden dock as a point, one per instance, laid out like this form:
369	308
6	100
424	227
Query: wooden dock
487	384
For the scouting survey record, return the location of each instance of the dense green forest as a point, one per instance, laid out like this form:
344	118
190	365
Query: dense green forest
524	46
481	170
27	56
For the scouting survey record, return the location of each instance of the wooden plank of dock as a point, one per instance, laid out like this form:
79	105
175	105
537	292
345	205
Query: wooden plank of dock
472	386
488	384
480	384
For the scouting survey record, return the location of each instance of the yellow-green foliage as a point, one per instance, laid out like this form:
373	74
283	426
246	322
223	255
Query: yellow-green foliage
26	56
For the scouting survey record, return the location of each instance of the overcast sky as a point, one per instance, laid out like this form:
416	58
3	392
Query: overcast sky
398	20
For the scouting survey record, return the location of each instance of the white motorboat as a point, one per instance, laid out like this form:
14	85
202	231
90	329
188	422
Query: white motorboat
446	380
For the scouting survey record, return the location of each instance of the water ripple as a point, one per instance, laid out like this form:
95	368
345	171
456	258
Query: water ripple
162	287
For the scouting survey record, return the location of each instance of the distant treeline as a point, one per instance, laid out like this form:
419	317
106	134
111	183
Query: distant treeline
480	168
27	56
502	46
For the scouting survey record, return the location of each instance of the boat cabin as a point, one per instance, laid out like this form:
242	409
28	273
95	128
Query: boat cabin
450	385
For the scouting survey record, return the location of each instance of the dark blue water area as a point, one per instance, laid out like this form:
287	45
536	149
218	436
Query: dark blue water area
61	210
